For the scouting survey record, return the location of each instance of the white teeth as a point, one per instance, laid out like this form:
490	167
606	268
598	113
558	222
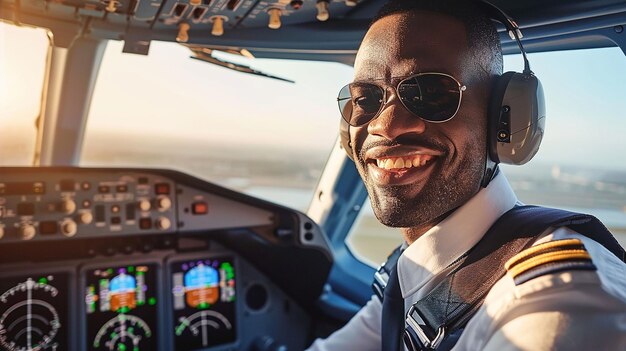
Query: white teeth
397	163
416	161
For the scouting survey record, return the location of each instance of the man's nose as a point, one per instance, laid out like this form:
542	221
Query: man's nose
395	120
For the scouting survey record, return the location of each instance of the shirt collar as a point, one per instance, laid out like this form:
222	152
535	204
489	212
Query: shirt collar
436	249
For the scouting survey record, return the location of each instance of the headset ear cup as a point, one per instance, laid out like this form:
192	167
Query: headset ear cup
495	108
517	118
344	137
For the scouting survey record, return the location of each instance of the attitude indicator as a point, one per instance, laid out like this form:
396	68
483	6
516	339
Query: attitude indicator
120	303
204	303
33	313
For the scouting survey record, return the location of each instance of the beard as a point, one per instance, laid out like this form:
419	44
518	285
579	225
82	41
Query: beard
445	190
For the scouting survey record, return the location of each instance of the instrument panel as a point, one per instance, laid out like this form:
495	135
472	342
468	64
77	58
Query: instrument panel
226	274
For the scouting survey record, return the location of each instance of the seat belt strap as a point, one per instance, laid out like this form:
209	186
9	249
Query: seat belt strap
450	305
382	274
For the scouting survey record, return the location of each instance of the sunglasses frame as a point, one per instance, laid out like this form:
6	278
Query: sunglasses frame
461	88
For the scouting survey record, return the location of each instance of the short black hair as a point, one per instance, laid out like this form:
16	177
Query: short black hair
482	36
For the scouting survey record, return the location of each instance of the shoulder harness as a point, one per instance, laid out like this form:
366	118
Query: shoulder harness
437	321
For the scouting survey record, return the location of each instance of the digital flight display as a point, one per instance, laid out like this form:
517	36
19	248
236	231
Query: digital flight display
34	312
121	308
203	296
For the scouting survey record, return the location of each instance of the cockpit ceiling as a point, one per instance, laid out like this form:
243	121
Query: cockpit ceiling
300	29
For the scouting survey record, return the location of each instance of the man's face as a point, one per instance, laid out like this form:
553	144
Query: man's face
449	156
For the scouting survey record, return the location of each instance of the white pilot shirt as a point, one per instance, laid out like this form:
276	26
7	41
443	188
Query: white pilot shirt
569	310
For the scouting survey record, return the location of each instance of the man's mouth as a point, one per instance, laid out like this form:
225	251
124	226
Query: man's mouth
396	164
400	170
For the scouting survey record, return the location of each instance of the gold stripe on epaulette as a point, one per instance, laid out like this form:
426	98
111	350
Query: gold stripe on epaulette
549	257
535	249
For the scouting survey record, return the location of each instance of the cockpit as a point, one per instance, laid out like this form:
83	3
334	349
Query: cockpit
171	176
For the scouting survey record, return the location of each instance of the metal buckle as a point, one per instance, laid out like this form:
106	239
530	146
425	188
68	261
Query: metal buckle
381	277
418	324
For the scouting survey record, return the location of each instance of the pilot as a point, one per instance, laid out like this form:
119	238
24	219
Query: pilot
418	128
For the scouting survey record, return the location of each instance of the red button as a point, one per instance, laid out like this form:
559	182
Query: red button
162	189
199	208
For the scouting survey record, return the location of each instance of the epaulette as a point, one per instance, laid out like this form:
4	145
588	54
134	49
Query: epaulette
551	257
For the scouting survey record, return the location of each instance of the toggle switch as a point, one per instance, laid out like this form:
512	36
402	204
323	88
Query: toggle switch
322	10
274	18
218	25
183	32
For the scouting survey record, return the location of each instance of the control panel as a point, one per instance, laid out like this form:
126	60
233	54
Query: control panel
57	207
211	268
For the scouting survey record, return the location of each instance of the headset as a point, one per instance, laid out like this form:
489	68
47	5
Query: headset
516	112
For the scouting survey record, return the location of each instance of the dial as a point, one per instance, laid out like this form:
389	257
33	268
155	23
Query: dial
121	308
122	333
204	303
33	313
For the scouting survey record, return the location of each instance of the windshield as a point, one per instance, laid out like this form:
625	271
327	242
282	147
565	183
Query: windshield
22	69
262	136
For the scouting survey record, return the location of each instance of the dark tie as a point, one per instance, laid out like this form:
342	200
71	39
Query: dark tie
393	314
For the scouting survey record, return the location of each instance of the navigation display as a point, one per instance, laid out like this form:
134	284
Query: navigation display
203	298
34	312
120	303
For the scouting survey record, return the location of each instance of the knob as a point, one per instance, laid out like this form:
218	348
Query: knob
195	2
27	231
322	10
163	223
163	203
69	228
111	6
145	205
183	33
274	18
84	217
68	206
218	25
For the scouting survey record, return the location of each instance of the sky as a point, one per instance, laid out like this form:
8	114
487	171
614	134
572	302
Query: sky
169	95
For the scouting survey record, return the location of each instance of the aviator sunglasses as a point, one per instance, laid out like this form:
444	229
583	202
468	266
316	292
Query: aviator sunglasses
433	97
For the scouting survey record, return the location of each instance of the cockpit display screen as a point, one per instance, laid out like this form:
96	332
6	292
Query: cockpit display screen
120	303
34	312
203	299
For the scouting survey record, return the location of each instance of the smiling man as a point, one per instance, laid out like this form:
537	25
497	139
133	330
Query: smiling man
416	125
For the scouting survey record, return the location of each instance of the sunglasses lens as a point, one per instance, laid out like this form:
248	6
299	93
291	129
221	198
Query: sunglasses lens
432	97
360	102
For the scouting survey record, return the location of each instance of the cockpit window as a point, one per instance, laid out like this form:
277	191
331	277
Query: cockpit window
580	164
23	52
262	136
